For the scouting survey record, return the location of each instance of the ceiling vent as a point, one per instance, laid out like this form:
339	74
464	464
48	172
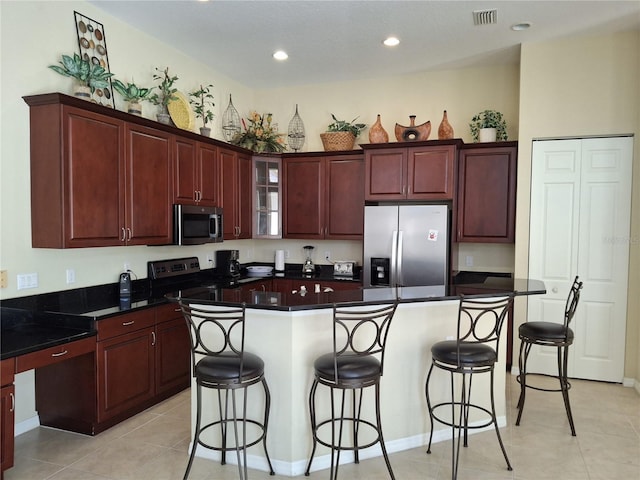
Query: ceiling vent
485	17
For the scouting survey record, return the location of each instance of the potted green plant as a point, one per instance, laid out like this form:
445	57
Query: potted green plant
488	126
201	100
88	75
341	135
132	94
167	93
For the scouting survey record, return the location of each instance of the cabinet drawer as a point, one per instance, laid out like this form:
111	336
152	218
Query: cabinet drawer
112	327
164	313
7	369
53	355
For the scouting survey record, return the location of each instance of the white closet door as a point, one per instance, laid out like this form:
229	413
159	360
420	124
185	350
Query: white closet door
579	225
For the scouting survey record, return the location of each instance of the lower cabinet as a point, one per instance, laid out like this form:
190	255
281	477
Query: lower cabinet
7	411
140	358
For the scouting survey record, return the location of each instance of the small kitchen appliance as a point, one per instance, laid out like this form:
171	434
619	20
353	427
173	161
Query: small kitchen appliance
196	224
308	268
228	263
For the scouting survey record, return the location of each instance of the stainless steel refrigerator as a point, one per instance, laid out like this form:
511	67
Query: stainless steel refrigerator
406	245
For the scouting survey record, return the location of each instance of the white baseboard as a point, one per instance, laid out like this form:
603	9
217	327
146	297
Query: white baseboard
323	462
26	425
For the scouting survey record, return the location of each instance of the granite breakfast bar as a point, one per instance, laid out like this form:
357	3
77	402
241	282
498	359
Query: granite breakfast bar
289	330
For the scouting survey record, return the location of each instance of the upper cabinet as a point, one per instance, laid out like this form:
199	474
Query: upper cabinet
267	198
323	195
486	206
196	173
235	193
410	171
95	179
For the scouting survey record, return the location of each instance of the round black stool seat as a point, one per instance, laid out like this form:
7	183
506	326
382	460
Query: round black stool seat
350	367
225	368
546	332
470	355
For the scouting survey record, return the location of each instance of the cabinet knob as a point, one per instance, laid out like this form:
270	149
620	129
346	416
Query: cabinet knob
554	289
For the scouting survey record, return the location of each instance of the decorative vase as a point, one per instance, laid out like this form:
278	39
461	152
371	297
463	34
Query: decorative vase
135	108
413	132
163	116
377	133
487	135
445	130
80	90
205	131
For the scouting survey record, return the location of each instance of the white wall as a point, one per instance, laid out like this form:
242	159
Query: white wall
579	87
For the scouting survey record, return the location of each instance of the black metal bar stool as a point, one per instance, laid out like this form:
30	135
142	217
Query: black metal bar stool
549	334
220	363
474	351
359	340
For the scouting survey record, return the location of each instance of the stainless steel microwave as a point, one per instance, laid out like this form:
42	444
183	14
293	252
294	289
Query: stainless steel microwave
195	225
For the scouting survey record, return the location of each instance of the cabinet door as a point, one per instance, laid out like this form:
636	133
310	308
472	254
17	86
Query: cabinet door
487	195
148	186
245	197
303	197
207	162
344	197
282	285
173	355
431	173
92	184
186	172
385	174
228	192
125	372
7	413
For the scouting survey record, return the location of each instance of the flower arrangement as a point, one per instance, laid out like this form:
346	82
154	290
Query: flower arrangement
489	119
261	135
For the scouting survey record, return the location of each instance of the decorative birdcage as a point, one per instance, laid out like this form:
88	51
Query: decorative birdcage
296	132
230	122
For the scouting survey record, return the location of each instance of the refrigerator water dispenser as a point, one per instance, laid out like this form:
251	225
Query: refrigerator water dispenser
380	271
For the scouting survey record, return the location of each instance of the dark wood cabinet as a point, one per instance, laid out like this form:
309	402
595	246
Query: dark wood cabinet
96	180
323	196
173	351
7	413
486	206
196	173
417	172
235	189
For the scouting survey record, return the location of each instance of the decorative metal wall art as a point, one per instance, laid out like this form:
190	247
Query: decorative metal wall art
296	133
92	43
230	122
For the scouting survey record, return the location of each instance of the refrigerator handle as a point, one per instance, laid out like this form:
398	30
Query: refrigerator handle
393	279
400	281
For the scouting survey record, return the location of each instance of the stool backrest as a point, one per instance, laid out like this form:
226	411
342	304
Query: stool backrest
215	330
572	302
480	320
361	330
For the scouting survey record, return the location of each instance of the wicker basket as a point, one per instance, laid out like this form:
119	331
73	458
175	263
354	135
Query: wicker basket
333	141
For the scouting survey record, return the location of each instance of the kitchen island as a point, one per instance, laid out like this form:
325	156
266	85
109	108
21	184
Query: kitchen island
289	331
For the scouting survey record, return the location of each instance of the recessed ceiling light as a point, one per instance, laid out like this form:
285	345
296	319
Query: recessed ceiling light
520	26
391	42
280	55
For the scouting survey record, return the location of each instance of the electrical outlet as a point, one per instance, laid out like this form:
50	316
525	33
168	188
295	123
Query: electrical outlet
327	255
469	261
27	280
126	266
3	279
210	258
71	275
286	254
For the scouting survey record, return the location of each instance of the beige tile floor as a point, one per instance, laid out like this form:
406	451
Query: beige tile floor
153	445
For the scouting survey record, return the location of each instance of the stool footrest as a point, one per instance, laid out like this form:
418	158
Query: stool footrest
490	421
543	389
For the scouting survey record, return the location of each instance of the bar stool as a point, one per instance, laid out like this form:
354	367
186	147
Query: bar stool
474	351
357	361
549	334
220	363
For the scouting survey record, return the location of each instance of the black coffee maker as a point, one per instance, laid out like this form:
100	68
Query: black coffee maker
228	263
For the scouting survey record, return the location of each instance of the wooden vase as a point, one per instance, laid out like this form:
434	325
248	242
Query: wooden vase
445	130
377	133
413	131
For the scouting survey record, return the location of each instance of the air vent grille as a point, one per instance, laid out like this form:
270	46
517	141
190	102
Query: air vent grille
485	17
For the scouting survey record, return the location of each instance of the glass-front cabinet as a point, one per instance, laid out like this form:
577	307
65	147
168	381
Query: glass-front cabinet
267	201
